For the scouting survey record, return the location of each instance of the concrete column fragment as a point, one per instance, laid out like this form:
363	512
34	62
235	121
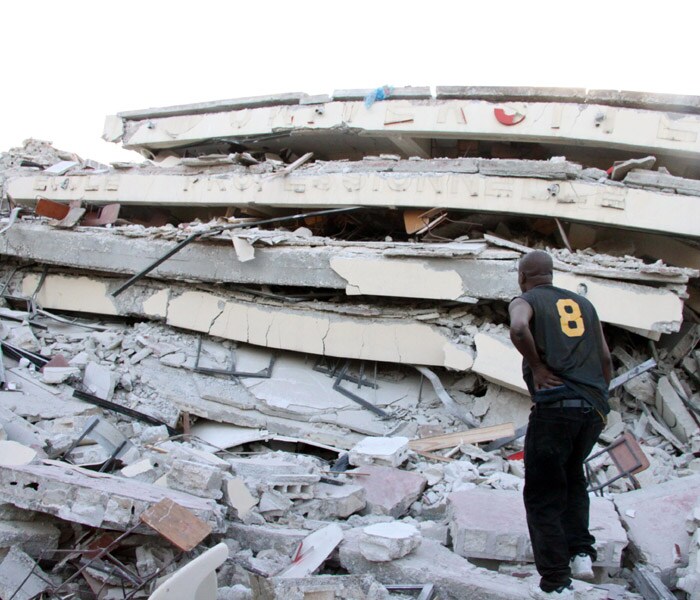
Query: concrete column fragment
281	538
195	478
333	502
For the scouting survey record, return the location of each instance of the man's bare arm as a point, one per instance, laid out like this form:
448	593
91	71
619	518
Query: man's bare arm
605	358
521	336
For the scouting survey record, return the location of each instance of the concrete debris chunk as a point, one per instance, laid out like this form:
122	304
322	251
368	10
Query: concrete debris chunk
33	537
273	505
20	578
331	587
382	451
284	539
54	375
14	453
142	470
389	491
655	519
689	577
94	499
195	478
388	541
99	380
491	524
454	577
673	411
239	497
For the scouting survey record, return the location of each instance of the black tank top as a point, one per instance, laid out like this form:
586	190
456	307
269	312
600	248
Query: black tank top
568	339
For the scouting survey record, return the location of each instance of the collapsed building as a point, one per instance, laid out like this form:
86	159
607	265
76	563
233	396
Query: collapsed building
278	346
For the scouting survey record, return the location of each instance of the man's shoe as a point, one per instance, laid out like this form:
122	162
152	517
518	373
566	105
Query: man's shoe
562	593
582	567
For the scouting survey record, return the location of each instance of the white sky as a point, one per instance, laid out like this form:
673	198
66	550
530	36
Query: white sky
66	65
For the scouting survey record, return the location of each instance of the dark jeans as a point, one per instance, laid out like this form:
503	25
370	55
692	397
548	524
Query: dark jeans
557	442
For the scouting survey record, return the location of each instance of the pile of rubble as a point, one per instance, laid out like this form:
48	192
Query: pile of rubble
273	358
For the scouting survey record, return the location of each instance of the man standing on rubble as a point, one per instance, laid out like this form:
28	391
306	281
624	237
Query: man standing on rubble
567	368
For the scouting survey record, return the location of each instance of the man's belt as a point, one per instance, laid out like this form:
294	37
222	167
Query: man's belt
568	403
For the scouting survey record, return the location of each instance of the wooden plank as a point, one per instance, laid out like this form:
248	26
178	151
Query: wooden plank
470	436
432	456
176	524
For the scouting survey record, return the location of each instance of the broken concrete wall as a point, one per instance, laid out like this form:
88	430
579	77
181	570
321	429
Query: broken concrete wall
377	336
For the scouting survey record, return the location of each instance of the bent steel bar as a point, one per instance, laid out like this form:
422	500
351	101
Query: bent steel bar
216	230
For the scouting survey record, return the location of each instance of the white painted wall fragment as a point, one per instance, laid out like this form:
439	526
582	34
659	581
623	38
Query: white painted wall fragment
81	294
385	277
390	338
497	360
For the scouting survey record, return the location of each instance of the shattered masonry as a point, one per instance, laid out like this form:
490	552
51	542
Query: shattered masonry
279	343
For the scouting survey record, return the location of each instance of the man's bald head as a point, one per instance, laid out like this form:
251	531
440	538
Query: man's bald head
535	268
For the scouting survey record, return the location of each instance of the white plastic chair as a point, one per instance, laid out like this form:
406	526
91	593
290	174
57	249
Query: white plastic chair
196	580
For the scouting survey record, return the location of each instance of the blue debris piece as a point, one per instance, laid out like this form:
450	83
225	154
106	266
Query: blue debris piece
381	93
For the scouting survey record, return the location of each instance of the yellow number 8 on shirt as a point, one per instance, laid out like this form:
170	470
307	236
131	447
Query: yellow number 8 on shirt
570	317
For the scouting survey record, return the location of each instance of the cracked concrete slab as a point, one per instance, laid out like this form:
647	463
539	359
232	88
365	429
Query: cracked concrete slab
309	187
390	270
497	360
94	499
302	327
332	130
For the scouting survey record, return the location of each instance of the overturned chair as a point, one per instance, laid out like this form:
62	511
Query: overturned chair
627	456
